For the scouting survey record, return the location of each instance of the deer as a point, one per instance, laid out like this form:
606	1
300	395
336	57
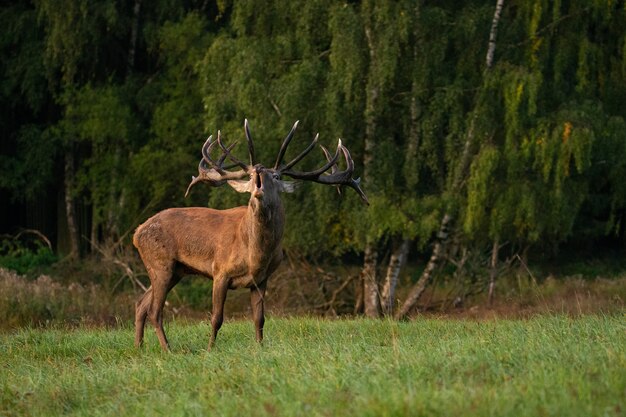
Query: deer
238	247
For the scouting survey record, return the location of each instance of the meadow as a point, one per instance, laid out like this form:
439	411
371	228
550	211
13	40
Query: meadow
554	365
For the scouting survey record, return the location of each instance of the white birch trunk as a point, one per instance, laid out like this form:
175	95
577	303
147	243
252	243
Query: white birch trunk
419	287
371	303
70	212
493	270
396	263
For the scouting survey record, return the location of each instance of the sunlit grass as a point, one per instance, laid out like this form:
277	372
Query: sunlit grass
550	365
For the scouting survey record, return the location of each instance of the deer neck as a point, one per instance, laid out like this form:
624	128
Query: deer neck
264	225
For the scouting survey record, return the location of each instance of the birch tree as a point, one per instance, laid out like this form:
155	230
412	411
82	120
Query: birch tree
459	175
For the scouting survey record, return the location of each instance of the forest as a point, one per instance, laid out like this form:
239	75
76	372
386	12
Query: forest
487	134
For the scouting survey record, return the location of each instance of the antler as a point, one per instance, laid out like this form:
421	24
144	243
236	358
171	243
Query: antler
216	174
283	147
336	177
246	127
237	162
212	172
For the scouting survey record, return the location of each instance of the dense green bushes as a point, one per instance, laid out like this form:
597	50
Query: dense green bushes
22	255
23	261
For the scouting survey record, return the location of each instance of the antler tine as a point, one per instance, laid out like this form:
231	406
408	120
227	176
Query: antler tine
313	175
345	177
206	155
195	180
246	127
230	155
225	154
336	177
283	147
334	168
328	158
206	148
213	172
302	154
355	184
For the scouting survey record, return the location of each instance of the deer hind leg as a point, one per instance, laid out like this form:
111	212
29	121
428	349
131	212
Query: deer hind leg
141	313
162	282
257	295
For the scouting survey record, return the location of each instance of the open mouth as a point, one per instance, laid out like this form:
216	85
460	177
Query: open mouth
258	189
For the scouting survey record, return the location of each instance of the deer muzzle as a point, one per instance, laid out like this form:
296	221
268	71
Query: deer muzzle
258	185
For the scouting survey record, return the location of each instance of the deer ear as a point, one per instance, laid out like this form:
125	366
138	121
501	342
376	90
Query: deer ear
241	186
288	186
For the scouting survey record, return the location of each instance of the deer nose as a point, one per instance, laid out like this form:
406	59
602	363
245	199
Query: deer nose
258	182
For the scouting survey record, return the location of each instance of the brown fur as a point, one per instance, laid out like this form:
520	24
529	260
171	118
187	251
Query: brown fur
237	248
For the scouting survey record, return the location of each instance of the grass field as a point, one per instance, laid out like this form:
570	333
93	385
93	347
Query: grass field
547	365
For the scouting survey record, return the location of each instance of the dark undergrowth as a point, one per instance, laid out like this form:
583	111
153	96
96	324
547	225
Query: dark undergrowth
37	289
54	299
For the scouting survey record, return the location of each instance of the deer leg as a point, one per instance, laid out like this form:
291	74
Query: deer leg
163	282
220	288
257	295
141	312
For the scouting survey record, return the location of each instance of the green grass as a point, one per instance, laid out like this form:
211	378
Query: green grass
547	365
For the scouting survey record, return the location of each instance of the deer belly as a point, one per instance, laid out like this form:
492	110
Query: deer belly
190	265
246	281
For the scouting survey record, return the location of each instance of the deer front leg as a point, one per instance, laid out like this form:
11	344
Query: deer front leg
257	296
220	288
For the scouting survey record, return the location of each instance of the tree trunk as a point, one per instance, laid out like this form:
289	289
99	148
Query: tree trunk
420	285
93	240
396	262
493	33
130	63
493	270
358	296
371	305
70	212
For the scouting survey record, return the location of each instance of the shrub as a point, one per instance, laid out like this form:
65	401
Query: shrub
44	301
21	254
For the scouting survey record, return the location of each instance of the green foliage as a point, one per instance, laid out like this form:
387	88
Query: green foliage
168	154
551	131
101	119
194	293
22	257
32	168
482	181
76	35
23	71
554	365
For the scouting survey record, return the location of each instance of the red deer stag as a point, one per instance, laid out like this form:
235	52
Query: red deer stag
238	247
